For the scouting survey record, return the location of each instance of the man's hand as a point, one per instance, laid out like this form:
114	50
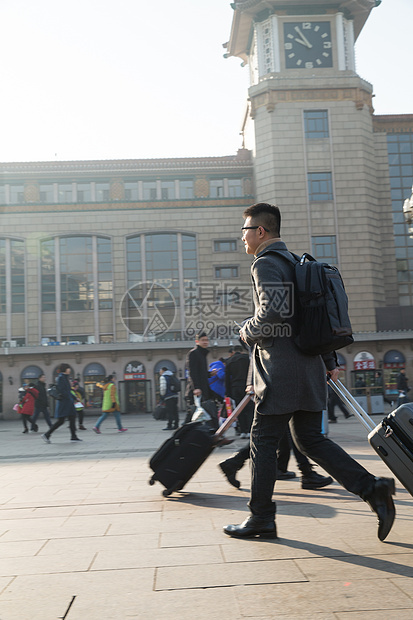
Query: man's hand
250	389
197	392
333	374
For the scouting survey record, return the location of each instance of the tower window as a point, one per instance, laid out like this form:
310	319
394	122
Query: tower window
316	124
320	186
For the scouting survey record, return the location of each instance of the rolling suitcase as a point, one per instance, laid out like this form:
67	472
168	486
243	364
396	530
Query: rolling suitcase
180	456
392	439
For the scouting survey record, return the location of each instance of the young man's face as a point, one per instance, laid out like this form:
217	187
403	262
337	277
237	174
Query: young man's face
203	342
251	236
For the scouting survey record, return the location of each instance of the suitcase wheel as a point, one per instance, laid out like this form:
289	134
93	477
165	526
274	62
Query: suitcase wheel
176	487
151	481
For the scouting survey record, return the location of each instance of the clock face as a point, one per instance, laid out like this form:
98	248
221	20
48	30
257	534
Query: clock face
307	45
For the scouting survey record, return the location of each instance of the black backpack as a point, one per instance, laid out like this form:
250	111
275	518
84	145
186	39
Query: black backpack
323	320
54	392
174	384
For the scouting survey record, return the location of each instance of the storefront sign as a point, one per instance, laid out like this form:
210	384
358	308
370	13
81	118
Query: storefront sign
364	361
134	371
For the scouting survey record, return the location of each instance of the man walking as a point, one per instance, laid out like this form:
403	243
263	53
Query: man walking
290	386
170	398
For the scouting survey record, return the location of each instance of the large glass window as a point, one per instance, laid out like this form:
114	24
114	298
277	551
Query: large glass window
225	245
316	124
320	186
77	273
46	192
84	192
2	194
165	259
131	190
102	192
17	275
400	157
149	190
105	281
168	190
16	194
12	274
216	188
324	249
65	192
235	188
186	189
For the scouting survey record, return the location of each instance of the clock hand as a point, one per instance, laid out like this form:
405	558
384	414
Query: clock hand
302	42
306	41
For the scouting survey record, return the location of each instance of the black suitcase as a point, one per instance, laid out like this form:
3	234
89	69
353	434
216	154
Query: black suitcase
180	456
392	439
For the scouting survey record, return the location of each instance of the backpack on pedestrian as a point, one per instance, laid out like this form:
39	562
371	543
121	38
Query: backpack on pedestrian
323	321
174	383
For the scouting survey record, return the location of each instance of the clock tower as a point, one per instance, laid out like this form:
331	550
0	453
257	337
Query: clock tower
310	125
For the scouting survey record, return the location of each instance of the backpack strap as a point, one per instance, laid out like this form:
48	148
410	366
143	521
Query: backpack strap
290	256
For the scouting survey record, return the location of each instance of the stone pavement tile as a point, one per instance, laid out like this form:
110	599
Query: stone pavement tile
76	561
308	599
390	614
41	531
47	597
20	549
134	523
143	558
213	575
208	604
113	508
190	538
283	548
351	568
113	544
405	585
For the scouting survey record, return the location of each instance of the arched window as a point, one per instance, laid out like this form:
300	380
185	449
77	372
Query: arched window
11	275
167	260
76	273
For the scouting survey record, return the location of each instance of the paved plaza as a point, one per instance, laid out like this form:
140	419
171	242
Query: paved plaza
83	536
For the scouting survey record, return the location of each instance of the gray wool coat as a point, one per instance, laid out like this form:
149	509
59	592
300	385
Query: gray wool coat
285	379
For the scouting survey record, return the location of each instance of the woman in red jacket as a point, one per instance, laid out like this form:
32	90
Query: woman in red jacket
27	405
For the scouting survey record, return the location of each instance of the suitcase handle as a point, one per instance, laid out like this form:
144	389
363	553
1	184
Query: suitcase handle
234	415
349	400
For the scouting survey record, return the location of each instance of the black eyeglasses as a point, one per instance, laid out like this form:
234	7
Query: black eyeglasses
253	228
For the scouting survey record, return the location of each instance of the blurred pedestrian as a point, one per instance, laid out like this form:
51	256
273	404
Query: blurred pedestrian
27	405
80	395
42	403
65	407
170	398
110	404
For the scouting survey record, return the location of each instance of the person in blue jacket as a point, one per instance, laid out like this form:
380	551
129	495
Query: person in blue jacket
216	378
65	407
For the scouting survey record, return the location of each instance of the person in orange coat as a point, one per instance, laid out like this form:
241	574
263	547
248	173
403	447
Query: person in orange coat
27	406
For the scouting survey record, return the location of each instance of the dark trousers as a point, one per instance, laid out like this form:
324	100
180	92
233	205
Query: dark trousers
333	401
285	446
171	406
25	420
59	422
267	431
283	454
46	415
246	416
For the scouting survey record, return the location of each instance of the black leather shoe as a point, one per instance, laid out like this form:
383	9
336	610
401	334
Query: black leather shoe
285	475
381	502
229	472
251	527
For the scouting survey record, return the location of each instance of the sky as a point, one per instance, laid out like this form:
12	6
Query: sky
99	79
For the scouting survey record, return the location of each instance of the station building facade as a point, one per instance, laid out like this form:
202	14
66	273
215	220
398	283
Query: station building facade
114	266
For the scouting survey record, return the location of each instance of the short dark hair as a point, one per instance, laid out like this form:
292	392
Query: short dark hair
201	335
164	368
238	348
267	215
109	378
64	367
